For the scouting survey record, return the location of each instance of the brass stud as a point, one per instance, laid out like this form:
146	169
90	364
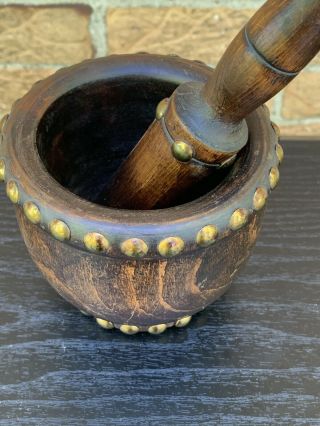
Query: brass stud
274	176
207	235
134	247
157	329
276	129
259	198
129	329
3	122
238	218
32	212
170	246
182	322
105	323
59	230
279	152
96	243
162	108
2	170
13	191
182	151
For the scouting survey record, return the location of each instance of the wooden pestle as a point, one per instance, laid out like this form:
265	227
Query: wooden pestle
202	126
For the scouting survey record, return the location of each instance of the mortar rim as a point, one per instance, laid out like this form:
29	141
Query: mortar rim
82	216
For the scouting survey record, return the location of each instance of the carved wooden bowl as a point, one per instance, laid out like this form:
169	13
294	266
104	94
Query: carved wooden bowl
133	270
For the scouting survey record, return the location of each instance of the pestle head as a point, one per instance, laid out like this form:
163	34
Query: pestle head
189	120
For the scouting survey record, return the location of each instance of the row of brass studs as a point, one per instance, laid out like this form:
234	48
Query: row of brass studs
153	329
135	247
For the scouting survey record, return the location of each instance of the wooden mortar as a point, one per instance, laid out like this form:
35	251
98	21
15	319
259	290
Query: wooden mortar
134	270
63	143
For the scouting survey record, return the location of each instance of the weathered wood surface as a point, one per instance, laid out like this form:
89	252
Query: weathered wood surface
253	358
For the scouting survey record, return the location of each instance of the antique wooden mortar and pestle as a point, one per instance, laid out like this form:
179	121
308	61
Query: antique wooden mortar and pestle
140	181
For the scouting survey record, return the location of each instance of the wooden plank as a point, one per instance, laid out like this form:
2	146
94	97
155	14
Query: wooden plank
251	358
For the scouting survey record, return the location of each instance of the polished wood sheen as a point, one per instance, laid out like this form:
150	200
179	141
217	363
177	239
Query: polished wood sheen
278	41
276	44
281	27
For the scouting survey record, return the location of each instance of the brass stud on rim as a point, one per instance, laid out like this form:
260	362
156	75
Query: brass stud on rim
2	170
170	246
129	329
207	235
274	176
279	152
276	129
96	243
32	212
108	325
182	322
181	151
157	329
134	247
259	198
13	191
238	218
162	108
60	230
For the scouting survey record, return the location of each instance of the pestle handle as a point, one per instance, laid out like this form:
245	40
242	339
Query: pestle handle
202	125
275	45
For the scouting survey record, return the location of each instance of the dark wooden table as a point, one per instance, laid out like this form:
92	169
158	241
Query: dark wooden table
252	358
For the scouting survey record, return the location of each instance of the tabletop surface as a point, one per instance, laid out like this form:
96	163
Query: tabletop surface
251	358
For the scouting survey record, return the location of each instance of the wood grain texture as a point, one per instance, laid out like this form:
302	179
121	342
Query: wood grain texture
252	358
286	32
140	292
151	178
275	45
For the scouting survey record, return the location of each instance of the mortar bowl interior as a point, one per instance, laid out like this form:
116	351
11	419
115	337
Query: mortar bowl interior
86	133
